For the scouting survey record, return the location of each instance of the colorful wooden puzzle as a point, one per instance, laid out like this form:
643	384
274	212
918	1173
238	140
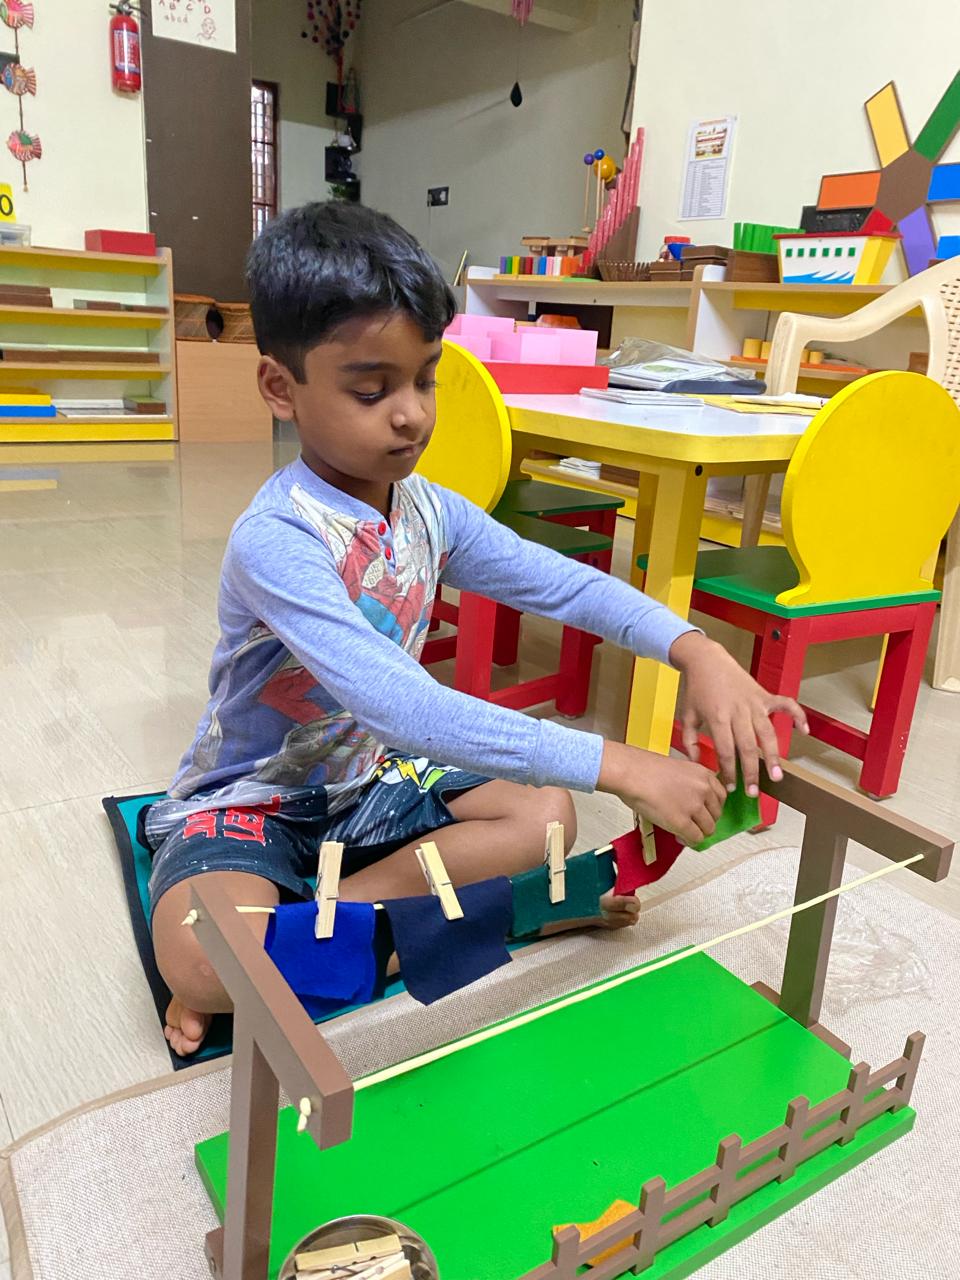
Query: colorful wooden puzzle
910	177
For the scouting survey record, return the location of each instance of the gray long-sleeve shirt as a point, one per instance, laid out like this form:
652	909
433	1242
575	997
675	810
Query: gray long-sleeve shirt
324	608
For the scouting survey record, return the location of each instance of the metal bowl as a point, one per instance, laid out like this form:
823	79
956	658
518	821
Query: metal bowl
423	1265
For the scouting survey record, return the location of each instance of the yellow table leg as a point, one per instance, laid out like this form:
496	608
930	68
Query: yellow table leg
674	539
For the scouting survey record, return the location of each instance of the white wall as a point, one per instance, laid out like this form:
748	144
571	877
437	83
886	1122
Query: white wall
797	77
92	172
435	99
301	69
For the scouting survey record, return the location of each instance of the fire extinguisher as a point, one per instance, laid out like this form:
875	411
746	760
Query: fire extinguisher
124	48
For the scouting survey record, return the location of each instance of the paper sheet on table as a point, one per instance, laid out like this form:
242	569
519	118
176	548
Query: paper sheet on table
758	404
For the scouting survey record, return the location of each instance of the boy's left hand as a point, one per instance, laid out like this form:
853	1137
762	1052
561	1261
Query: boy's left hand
727	703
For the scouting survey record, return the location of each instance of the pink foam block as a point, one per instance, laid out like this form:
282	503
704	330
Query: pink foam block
528	346
578	346
476	344
480	326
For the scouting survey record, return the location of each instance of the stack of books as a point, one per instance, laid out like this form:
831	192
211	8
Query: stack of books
26	402
25	295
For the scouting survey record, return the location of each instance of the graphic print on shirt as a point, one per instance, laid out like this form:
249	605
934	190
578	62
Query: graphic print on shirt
271	727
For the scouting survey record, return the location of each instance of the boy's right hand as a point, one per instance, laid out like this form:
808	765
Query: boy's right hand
681	796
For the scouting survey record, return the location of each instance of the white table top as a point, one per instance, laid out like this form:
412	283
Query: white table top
697	420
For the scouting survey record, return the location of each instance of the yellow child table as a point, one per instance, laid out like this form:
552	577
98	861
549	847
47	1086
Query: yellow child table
675	450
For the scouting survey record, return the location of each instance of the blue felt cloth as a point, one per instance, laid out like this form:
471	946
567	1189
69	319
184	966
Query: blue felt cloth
325	973
437	955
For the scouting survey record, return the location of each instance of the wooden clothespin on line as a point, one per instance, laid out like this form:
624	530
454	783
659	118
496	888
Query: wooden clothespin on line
556	860
431	864
328	887
649	838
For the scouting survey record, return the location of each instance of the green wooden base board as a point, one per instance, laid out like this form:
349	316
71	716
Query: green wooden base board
484	1151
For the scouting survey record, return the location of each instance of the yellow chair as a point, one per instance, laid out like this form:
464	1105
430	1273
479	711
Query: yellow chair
870	490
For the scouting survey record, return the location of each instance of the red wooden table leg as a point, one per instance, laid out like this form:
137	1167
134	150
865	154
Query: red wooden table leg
896	699
475	631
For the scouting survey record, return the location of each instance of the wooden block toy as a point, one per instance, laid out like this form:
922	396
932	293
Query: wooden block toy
328	887
144	404
556	859
142	243
479	326
546	379
751	348
835	257
428	855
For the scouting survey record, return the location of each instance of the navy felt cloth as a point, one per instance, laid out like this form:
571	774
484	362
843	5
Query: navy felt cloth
325	973
437	955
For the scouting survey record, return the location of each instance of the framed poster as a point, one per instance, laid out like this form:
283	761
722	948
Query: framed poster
706	168
207	23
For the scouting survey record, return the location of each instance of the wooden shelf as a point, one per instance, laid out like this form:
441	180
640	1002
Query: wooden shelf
83	318
52	453
806	370
130	427
553	282
45	371
121	264
786	290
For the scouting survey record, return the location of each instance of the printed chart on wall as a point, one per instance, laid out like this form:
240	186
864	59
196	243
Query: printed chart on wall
209	23
707	168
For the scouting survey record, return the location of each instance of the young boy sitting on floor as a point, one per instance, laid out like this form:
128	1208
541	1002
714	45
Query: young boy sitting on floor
321	723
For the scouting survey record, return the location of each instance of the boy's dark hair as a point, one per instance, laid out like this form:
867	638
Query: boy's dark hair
314	267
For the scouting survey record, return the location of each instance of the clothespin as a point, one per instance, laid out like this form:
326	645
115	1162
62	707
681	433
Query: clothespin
649	838
348	1255
556	860
328	887
431	864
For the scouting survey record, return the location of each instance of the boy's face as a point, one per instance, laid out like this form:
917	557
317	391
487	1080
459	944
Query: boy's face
367	409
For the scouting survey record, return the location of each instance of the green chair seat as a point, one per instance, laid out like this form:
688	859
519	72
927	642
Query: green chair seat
558	537
538	498
755	576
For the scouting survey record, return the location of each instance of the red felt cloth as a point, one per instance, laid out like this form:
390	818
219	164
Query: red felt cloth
632	871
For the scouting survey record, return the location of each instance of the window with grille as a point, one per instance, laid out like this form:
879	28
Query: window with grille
263	152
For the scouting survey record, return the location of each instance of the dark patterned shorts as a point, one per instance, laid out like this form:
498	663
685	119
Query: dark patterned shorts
407	799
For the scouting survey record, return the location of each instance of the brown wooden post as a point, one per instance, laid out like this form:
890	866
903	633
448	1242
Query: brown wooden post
797	1112
850	1115
811	931
728	1163
911	1052
652	1196
254	1100
566	1253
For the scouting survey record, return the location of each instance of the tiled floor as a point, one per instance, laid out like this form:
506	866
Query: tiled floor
107	622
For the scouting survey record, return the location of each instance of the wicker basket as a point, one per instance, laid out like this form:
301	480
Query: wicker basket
190	312
237	324
627	271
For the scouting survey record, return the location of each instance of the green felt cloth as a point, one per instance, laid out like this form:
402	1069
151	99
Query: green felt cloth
740	813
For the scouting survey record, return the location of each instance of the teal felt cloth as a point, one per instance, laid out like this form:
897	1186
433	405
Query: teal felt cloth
532	908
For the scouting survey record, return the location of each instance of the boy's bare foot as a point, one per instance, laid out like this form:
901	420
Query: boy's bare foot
617	911
186	1028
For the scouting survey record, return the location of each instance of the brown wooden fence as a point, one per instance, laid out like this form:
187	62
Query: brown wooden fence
708	1196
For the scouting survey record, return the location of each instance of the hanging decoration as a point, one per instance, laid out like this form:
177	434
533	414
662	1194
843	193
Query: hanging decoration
521	11
331	23
20	80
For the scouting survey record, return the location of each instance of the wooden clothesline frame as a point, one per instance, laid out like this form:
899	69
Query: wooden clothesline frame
276	1043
